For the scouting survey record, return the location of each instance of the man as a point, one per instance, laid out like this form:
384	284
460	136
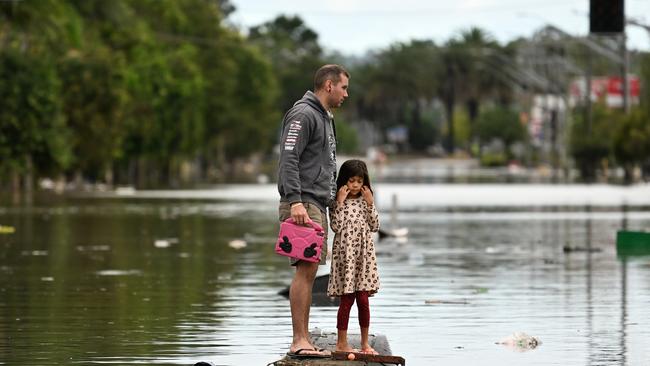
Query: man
307	184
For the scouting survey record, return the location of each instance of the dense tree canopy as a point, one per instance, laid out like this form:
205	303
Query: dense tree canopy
150	92
133	88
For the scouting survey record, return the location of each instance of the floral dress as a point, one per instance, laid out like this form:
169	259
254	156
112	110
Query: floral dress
354	262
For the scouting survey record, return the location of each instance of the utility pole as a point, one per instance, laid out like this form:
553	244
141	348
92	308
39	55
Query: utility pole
588	90
624	71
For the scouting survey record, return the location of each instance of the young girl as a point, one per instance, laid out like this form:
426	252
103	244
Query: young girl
354	263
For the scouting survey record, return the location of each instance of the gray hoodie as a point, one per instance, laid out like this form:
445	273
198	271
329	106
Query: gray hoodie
307	171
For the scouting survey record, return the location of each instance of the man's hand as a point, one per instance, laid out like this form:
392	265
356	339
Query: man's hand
299	213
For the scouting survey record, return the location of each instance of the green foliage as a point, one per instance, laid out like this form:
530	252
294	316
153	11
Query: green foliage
254	120
94	102
294	52
141	88
346	138
589	145
396	88
645	82
462	127
500	123
111	83
494	159
399	84
631	143
421	121
31	123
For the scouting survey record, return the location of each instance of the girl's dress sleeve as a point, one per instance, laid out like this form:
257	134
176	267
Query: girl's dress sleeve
372	217
336	217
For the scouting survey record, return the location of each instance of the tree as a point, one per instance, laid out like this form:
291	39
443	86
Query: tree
397	87
631	144
590	146
32	129
469	76
295	54
502	124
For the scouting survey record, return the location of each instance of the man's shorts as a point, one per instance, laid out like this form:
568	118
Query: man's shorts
316	215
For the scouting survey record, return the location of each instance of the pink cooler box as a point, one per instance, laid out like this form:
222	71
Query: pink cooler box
300	242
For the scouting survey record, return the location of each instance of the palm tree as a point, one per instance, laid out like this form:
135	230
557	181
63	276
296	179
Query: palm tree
469	76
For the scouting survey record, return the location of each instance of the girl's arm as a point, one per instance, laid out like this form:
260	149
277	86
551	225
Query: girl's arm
336	213
372	217
336	217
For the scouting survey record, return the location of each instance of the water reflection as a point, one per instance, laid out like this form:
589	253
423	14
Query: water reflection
83	281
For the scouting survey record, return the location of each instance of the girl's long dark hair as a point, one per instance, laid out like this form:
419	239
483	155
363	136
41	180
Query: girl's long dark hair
353	168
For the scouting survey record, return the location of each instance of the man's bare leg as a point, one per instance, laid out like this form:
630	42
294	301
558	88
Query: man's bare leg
300	301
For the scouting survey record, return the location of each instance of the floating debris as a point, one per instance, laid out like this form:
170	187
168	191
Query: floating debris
7	229
520	341
401	232
237	244
481	290
97	248
118	272
570	249
165	243
36	253
161	243
47	279
452	302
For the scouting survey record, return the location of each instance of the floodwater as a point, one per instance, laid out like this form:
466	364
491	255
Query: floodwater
150	278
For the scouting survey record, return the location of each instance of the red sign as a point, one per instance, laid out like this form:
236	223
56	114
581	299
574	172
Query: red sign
607	88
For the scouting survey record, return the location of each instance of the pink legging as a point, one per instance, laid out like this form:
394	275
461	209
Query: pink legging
343	317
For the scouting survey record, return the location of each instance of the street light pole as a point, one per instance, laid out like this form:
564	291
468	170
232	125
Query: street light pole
624	71
588	90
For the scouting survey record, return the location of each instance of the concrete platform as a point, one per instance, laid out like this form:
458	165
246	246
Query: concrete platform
327	340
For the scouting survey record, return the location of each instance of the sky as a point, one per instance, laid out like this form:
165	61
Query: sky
354	27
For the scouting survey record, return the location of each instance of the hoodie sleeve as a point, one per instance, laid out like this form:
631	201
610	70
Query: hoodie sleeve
296	133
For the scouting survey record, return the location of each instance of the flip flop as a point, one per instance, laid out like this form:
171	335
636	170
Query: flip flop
301	353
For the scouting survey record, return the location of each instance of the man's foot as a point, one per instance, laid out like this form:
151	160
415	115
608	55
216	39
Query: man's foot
322	350
309	353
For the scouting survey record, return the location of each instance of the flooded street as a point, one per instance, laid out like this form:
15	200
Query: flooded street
150	278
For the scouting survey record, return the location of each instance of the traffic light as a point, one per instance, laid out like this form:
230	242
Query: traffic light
606	16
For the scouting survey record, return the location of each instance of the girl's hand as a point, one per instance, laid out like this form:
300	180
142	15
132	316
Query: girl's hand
342	194
367	195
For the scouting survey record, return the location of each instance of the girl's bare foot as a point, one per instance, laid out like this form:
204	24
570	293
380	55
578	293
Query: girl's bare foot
345	348
369	350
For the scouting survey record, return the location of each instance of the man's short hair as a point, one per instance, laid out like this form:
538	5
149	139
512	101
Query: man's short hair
329	72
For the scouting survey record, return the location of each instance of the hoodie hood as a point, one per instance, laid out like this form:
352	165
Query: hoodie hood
311	99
